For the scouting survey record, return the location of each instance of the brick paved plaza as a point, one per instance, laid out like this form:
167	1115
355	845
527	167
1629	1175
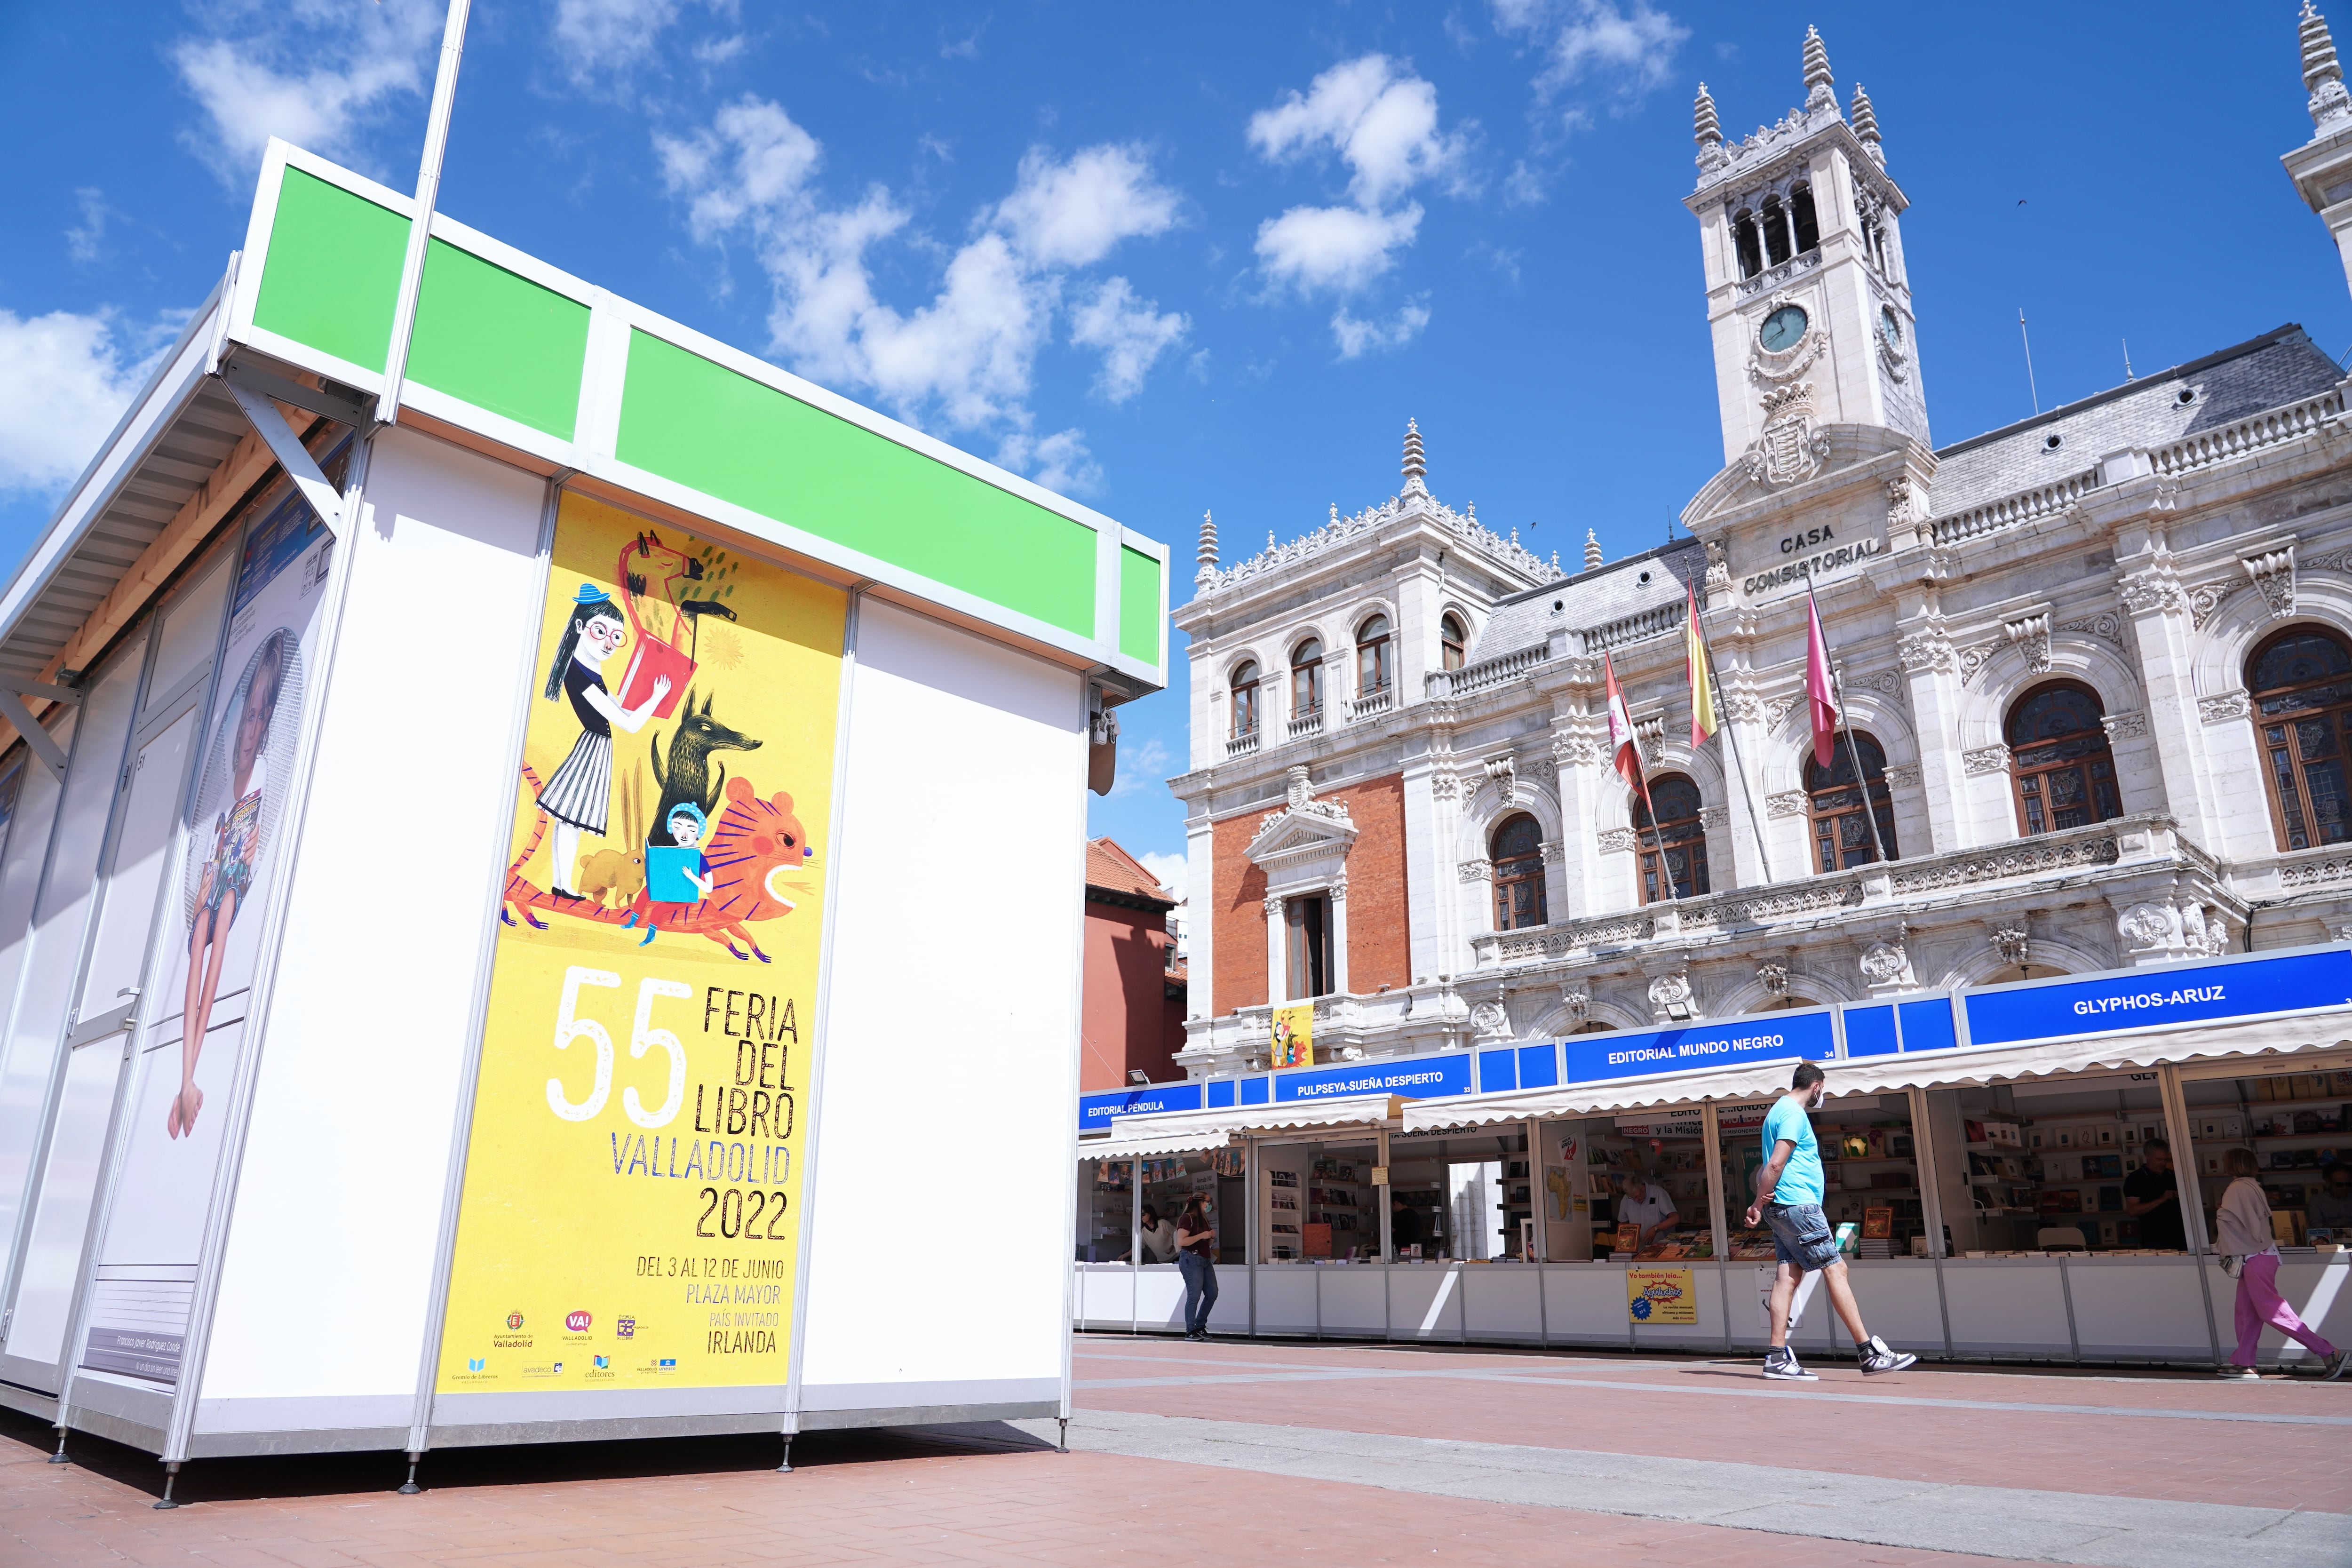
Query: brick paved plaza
1317	1452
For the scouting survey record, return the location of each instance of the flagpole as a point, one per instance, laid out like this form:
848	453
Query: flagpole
420	225
1739	765
1853	753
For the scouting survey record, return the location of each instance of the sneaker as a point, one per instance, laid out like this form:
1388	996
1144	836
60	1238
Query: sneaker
1782	1364
1877	1358
2335	1366
2234	1374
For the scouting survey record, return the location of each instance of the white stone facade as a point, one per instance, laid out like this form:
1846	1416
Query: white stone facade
2143	542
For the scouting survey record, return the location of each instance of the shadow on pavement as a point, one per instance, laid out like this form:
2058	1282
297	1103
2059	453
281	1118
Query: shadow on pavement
26	1440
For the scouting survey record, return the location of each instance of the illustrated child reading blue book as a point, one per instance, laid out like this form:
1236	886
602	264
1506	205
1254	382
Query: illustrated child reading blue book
679	874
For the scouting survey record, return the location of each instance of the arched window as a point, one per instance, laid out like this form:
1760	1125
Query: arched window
1306	681
1743	240
2059	755
1809	229
2302	682
1452	641
1372	657
1840	833
1517	850
1244	687
1776	230
1677	833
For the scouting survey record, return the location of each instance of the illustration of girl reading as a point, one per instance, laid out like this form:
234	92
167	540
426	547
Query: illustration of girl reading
678	874
237	841
579	796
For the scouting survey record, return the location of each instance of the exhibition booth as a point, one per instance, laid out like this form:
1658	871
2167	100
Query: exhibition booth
453	945
1994	1158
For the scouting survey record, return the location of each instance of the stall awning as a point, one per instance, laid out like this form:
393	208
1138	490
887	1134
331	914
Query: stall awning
2120	1051
1186	1131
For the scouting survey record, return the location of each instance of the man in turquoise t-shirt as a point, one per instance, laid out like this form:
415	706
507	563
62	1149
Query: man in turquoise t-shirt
1789	1198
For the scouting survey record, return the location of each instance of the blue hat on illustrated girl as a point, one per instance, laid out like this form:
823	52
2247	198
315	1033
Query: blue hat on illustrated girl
689	809
590	593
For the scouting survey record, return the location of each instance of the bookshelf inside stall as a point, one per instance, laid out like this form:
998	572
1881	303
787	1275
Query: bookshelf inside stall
2298	1124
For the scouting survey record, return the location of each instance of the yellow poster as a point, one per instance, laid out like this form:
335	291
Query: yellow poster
1660	1296
1293	1036
632	1198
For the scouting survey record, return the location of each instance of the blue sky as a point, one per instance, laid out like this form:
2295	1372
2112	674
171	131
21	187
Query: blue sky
1171	260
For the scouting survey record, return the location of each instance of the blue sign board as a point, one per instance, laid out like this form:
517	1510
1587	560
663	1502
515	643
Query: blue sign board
1096	1111
2150	998
1412	1078
1769	1037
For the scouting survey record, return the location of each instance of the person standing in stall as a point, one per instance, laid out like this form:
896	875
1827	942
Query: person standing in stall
1789	1190
2152	1196
1159	1237
1196	1257
2250	1252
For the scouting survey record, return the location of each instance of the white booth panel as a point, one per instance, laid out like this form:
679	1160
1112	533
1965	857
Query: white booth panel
1160	1297
2141	1307
26	1053
53	1253
2006	1306
364	1063
947	1050
2316	1286
1106	1296
1502	1301
1355	1300
1426	1301
1584	1303
1707	1332
1899	1303
1231	1315
1286	1299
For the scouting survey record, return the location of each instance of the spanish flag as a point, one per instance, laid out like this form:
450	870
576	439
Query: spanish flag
1704	721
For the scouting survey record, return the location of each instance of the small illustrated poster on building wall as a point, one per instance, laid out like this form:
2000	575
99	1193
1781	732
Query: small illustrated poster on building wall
632	1203
1293	1036
1660	1296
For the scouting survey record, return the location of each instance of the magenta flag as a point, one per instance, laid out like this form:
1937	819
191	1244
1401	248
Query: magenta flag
1820	696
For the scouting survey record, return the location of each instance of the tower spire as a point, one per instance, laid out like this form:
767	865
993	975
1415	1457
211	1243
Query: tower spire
2323	77
1865	124
1705	128
1207	554
1820	88
1416	469
1591	551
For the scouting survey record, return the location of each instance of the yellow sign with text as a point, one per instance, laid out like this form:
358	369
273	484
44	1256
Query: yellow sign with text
631	1212
1661	1296
1293	1036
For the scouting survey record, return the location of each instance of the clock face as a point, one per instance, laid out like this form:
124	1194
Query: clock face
1783	329
1892	325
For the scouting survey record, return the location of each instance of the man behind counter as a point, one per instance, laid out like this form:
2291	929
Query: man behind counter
2152	1196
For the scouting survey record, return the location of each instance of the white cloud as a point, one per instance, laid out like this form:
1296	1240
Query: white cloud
1073	214
1381	122
1357	337
1625	47
1340	248
1144	765
967	357
1175	871
69	378
1130	331
1060	462
256	76
83	239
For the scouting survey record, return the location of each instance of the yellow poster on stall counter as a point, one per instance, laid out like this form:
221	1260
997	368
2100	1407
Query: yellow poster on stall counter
1293	1036
632	1199
1660	1296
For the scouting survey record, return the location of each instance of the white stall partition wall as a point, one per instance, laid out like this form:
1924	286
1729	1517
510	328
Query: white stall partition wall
950	1060
74	1096
371	1007
24	1059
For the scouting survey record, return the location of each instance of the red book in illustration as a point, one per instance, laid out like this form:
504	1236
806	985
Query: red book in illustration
652	658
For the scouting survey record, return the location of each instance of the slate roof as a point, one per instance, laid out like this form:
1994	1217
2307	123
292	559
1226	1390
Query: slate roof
2278	368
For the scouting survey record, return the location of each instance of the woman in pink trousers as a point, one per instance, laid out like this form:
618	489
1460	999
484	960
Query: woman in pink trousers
2250	1252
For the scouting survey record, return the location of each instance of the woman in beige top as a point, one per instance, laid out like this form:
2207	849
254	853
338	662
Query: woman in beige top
2242	1223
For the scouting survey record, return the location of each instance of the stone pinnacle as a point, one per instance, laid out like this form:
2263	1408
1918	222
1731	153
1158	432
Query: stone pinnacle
1819	87
1706	128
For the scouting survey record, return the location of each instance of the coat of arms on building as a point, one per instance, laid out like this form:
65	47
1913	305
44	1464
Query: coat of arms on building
1791	448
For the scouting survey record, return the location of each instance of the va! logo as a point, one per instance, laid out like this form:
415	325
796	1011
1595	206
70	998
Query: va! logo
577	1322
514	1319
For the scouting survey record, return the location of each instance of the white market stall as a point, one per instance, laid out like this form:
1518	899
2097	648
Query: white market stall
1982	1139
453	920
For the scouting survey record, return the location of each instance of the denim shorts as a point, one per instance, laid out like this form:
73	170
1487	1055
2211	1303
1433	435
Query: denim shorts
1801	1235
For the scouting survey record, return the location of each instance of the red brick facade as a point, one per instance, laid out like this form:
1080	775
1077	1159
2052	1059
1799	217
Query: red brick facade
1378	937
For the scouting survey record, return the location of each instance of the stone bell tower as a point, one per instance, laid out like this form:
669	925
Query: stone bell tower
1807	296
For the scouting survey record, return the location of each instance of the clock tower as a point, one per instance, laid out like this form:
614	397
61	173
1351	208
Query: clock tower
1806	292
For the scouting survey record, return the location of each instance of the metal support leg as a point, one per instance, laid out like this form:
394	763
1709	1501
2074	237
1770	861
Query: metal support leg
1064	1445
785	1468
59	1456
409	1487
171	1474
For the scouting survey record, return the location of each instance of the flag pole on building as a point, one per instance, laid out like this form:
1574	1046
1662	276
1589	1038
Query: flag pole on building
1827	700
1625	753
1706	681
420	228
